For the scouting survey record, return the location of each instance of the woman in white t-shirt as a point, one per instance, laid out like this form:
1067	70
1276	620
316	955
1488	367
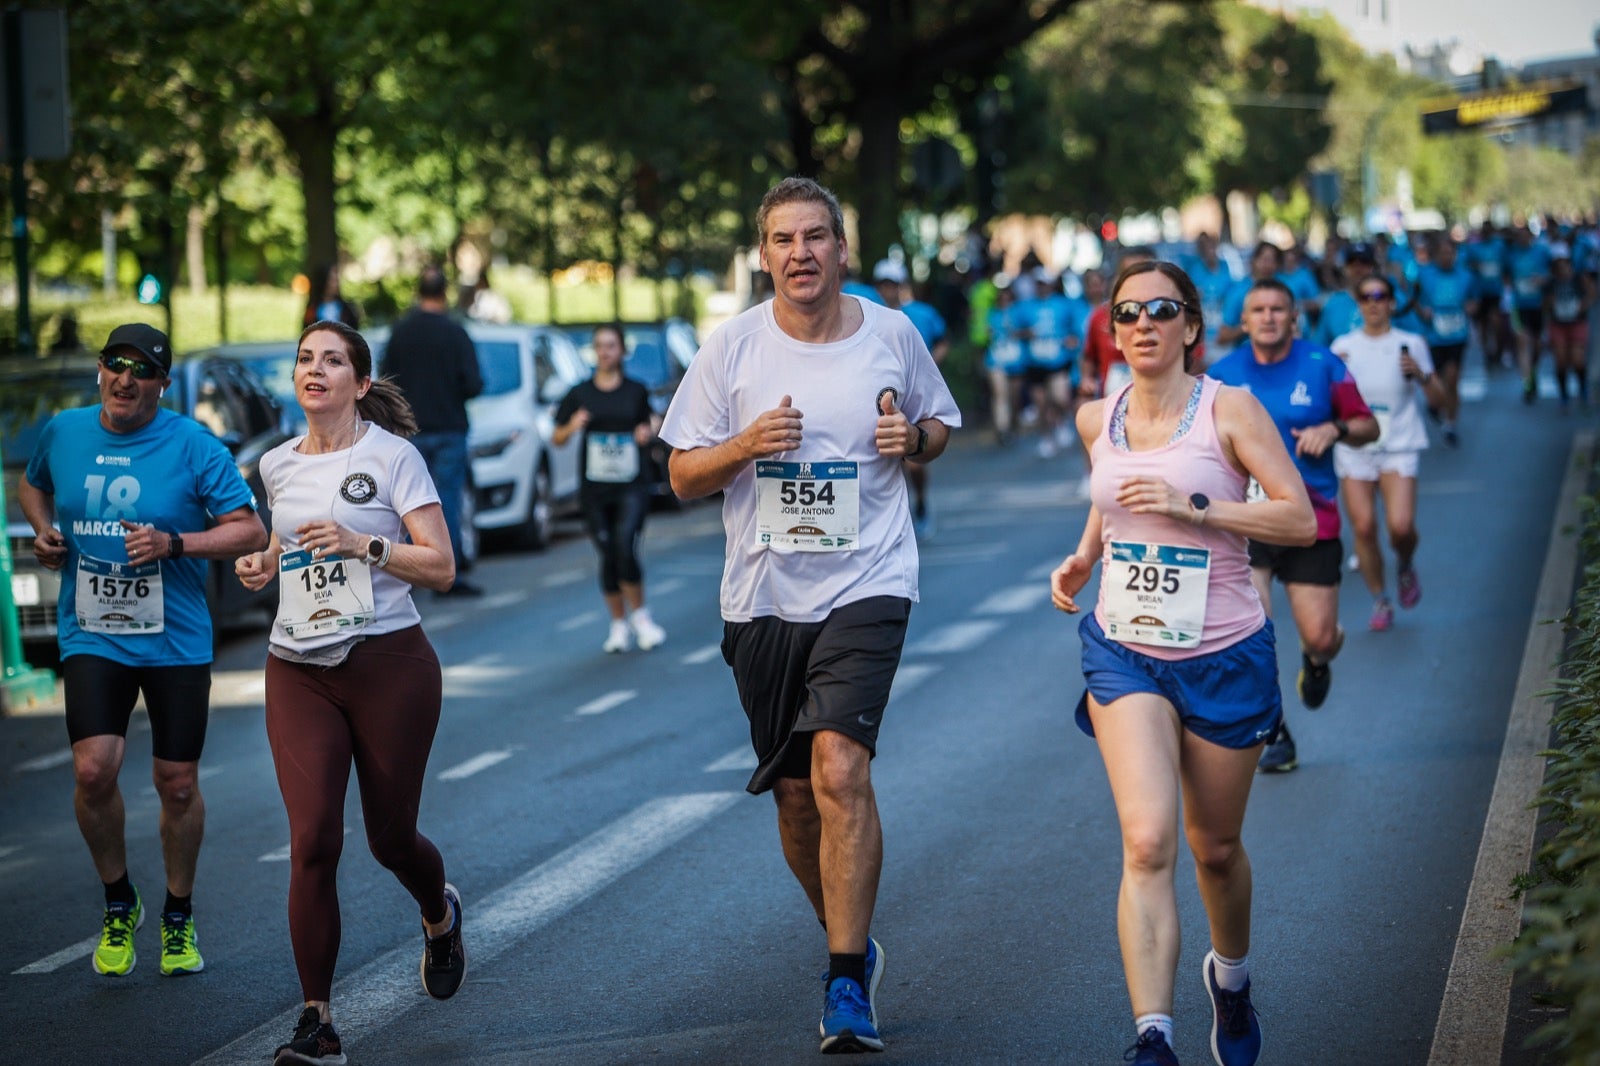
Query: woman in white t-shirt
351	678
1394	371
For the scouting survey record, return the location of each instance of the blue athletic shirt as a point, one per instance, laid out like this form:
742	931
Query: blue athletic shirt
1530	269
1445	293
1308	387
929	322
1213	286
862	290
1340	315
1487	261
1006	352
1048	317
172	474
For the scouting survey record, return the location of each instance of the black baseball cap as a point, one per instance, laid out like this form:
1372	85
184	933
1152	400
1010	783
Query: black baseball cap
146	340
1361	253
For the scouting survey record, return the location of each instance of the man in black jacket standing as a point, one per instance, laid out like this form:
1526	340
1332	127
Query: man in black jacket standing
435	364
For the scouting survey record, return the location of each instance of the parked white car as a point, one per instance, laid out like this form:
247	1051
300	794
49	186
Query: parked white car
521	481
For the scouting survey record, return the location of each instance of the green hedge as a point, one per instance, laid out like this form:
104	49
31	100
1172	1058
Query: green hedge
1561	916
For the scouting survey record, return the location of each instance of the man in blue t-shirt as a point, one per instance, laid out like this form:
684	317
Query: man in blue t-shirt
1528	269
128	499
1265	262
1445	306
1314	402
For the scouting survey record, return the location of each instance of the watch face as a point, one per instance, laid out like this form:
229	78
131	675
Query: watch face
1200	501
374	548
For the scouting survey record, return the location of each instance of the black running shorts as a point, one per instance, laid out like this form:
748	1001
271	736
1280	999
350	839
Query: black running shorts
796	678
1321	563
100	695
1447	355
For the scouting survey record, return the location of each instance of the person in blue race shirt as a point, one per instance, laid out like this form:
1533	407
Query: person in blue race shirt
893	285
1485	257
1211	278
1528	268
128	500
1006	360
1340	311
1265	262
1445	306
1049	375
1315	403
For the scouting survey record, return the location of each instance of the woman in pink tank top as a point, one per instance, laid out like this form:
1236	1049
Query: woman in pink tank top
1178	654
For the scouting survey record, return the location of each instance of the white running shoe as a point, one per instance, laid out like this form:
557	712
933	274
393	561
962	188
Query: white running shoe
646	632
618	639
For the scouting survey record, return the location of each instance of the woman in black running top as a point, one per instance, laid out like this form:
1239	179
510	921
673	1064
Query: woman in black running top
351	678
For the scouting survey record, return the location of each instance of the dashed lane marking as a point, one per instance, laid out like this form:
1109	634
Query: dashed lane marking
282	854
703	655
1018	599
955	638
565	577
580	620
743	758
602	704
505	599
476	764
45	762
385	988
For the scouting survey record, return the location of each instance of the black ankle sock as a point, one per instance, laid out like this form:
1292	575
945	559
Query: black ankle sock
120	891
179	905
851	966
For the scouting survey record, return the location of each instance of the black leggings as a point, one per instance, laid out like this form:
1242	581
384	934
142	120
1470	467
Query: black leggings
615	520
378	709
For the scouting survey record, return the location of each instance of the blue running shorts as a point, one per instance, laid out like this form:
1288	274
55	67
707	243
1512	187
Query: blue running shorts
1229	697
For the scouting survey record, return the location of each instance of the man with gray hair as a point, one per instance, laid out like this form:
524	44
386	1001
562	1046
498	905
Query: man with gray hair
820	566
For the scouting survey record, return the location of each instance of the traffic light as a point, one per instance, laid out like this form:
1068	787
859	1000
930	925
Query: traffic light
151	287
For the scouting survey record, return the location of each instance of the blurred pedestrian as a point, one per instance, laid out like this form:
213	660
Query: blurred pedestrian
821	567
351	679
1179	659
1569	296
324	301
893	283
435	364
1445	306
612	414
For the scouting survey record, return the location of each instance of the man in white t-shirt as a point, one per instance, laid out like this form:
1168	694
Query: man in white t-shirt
801	411
1394	371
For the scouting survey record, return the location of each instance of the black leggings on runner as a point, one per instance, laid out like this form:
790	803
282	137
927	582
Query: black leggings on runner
614	521
378	710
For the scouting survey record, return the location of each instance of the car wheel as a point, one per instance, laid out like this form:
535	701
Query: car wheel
536	528
469	524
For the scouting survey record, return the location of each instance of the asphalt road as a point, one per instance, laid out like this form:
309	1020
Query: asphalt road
626	900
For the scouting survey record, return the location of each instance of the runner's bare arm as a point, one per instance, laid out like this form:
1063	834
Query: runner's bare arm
697	472
1253	443
39	508
237	532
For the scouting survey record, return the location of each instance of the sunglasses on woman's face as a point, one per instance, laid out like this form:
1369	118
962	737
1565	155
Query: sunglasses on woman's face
1374	296
1161	309
142	370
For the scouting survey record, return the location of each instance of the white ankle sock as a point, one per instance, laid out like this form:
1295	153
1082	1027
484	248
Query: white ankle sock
1230	974
1162	1022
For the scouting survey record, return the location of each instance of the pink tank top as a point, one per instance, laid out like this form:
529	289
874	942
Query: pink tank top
1193	462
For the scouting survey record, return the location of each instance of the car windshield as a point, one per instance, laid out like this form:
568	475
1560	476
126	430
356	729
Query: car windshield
500	363
28	401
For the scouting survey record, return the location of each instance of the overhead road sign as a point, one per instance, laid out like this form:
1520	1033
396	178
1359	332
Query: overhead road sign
1504	107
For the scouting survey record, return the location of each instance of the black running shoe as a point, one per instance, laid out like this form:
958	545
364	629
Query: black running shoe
1278	757
314	1041
1314	681
444	959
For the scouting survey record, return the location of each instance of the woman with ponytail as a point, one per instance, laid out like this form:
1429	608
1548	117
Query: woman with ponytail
351	678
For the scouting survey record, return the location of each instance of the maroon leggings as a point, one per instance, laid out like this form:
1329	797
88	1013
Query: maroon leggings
379	709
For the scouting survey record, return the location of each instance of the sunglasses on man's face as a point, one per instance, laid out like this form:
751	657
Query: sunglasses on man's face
1161	309
140	369
1374	296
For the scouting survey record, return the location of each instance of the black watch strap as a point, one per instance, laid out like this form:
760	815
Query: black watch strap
174	545
1341	427
922	442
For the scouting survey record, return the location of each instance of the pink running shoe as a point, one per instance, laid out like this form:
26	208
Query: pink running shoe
1410	588
1382	619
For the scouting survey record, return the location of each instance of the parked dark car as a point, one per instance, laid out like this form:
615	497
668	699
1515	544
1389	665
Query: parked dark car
225	397
658	355
273	363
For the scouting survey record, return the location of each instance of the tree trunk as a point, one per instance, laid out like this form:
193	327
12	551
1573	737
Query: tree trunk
312	141
878	172
195	249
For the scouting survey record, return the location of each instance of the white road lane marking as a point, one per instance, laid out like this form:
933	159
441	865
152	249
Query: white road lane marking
383	989
909	677
51	963
45	762
578	621
476	764
282	854
1018	599
10	849
955	637
952	554
505	599
1043	571
602	704
670	585
737	759
565	577
703	655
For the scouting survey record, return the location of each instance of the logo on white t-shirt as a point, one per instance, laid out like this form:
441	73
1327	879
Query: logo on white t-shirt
359	488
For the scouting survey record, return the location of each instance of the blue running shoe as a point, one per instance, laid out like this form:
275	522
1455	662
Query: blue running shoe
847	1026
1151	1050
875	966
1235	1031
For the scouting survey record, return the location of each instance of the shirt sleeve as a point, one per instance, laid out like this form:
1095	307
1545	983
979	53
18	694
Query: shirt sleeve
569	405
38	472
699	416
1344	393
471	374
412	485
221	487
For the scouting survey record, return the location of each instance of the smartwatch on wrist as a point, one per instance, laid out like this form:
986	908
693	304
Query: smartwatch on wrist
374	551
1199	501
1341	427
922	443
174	545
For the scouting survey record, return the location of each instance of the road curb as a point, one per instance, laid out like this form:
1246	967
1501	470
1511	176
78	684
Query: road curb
1477	995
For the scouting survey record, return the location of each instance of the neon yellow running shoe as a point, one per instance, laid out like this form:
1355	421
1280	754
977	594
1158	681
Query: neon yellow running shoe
179	953
114	956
